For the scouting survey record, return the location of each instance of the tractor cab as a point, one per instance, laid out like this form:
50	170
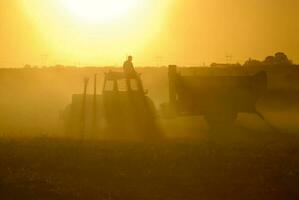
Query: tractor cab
122	111
121	83
127	108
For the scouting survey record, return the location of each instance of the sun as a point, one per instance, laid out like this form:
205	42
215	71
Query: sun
102	11
95	31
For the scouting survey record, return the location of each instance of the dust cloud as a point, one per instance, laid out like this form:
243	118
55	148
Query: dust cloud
33	100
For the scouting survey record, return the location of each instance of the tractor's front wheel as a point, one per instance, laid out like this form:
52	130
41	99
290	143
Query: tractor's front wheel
221	120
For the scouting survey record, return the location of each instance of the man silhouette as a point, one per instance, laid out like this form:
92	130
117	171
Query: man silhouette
129	67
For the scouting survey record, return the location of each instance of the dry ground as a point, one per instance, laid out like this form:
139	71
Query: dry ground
238	164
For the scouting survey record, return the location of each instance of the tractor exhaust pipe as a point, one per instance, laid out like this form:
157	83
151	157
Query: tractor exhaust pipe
95	104
83	111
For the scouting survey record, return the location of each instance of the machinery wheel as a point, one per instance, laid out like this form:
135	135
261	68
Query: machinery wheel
221	120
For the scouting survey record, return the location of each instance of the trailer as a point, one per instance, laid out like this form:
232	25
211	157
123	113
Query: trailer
219	98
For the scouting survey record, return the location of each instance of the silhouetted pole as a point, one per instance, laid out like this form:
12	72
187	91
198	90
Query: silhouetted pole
172	74
83	111
95	104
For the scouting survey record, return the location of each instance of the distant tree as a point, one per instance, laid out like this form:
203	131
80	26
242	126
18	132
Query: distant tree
269	60
252	62
279	58
213	64
282	59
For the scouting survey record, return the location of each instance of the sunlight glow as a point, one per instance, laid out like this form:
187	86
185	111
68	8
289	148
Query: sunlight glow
96	31
102	11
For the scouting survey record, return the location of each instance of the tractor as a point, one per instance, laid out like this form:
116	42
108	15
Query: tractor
122	111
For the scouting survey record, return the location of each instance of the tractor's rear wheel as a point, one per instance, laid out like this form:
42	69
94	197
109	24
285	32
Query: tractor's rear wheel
220	120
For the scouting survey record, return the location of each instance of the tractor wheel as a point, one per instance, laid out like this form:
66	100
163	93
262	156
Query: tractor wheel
221	120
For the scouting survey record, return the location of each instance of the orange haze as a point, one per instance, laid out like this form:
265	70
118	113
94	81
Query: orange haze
190	32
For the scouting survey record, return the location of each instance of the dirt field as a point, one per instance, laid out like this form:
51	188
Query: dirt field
238	164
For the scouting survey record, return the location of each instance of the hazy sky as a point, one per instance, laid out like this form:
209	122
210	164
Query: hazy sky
183	32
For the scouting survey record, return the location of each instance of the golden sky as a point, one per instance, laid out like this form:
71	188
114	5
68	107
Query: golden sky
183	32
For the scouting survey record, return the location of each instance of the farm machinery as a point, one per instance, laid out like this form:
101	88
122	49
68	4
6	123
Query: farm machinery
123	110
219	98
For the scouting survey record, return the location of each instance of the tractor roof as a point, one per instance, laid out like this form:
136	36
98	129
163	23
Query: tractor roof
119	76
